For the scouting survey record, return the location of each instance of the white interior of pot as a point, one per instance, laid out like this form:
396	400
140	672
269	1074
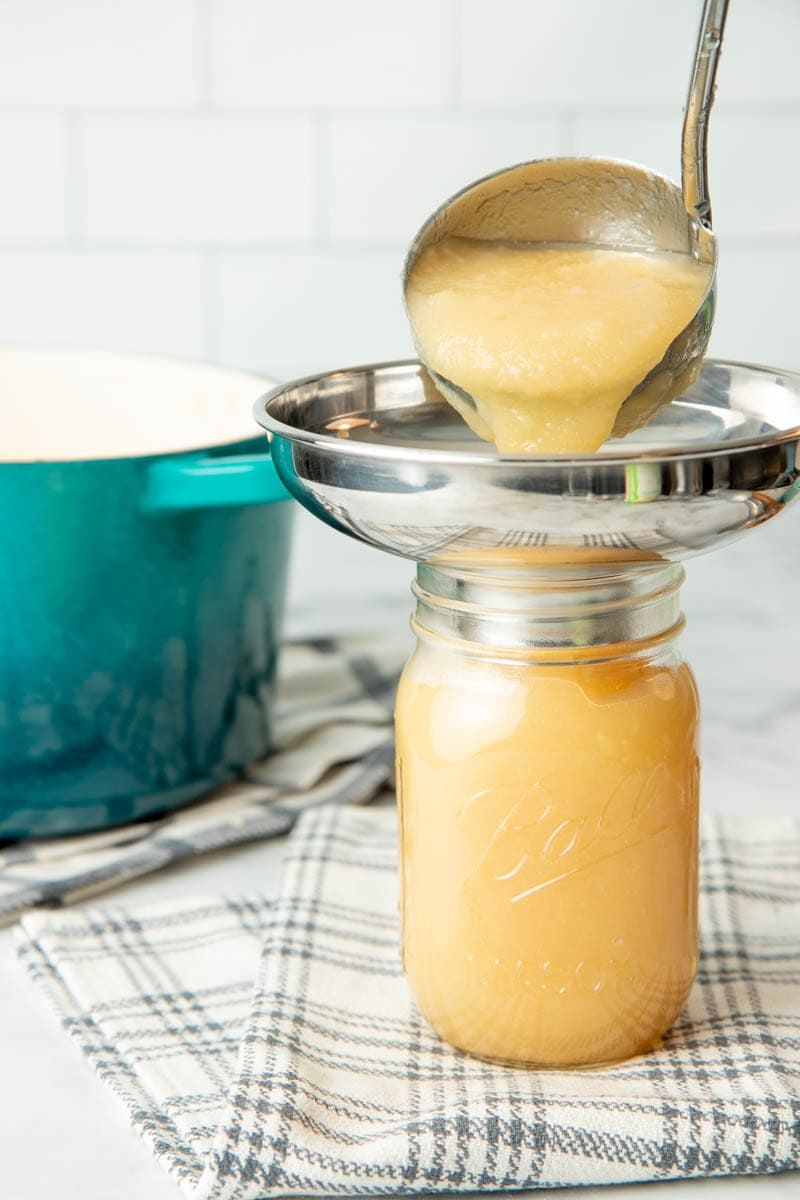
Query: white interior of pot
63	404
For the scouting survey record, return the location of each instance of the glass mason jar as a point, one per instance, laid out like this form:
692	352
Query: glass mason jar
548	797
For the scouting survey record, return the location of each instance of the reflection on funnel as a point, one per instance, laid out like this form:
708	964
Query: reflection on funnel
379	455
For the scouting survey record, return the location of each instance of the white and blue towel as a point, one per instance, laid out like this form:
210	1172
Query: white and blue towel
269	1047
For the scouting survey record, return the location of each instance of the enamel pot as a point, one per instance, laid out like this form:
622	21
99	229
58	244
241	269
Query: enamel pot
144	545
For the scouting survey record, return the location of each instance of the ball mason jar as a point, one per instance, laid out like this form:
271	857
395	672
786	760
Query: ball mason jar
548	799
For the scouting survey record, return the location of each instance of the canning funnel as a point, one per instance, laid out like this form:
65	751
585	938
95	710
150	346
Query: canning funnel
377	453
608	203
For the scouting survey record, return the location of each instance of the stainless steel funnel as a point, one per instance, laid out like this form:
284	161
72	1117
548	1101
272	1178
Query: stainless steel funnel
377	453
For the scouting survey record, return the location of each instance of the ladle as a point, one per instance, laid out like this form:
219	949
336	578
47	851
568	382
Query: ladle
610	203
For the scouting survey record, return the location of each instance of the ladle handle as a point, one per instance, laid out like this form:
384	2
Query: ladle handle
698	107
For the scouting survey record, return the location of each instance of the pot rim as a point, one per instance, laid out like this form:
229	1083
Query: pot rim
260	381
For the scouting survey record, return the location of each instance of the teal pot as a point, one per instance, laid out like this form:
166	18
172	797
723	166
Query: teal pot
143	556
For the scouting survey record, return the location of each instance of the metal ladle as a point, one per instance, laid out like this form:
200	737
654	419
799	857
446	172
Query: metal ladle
610	203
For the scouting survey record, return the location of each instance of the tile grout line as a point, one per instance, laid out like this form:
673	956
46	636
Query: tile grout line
392	111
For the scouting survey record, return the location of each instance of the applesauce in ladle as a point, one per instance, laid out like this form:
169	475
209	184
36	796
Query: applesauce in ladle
549	341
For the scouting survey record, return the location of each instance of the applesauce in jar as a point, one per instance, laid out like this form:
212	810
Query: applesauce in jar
548	792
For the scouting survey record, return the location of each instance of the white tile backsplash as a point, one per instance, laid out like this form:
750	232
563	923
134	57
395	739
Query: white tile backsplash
33	186
757	307
273	160
189	178
99	52
292	313
318	53
577	53
375	192
149	302
759	56
754	172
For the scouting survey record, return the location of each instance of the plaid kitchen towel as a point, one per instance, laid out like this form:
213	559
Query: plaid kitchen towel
267	1049
334	744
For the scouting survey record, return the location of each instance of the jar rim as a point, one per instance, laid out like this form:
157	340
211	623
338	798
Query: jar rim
553	609
596	654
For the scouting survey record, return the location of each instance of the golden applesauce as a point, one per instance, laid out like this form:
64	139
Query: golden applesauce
548	810
548	340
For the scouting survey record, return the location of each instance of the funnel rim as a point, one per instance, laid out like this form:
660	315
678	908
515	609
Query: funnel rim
398	453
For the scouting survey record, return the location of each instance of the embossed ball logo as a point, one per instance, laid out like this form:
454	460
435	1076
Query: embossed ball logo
552	830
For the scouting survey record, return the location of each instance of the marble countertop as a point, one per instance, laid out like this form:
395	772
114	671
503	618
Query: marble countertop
62	1134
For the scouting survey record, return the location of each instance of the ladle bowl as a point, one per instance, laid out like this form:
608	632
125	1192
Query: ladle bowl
596	202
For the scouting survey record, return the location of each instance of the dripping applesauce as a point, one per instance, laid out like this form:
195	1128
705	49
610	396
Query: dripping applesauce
550	340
